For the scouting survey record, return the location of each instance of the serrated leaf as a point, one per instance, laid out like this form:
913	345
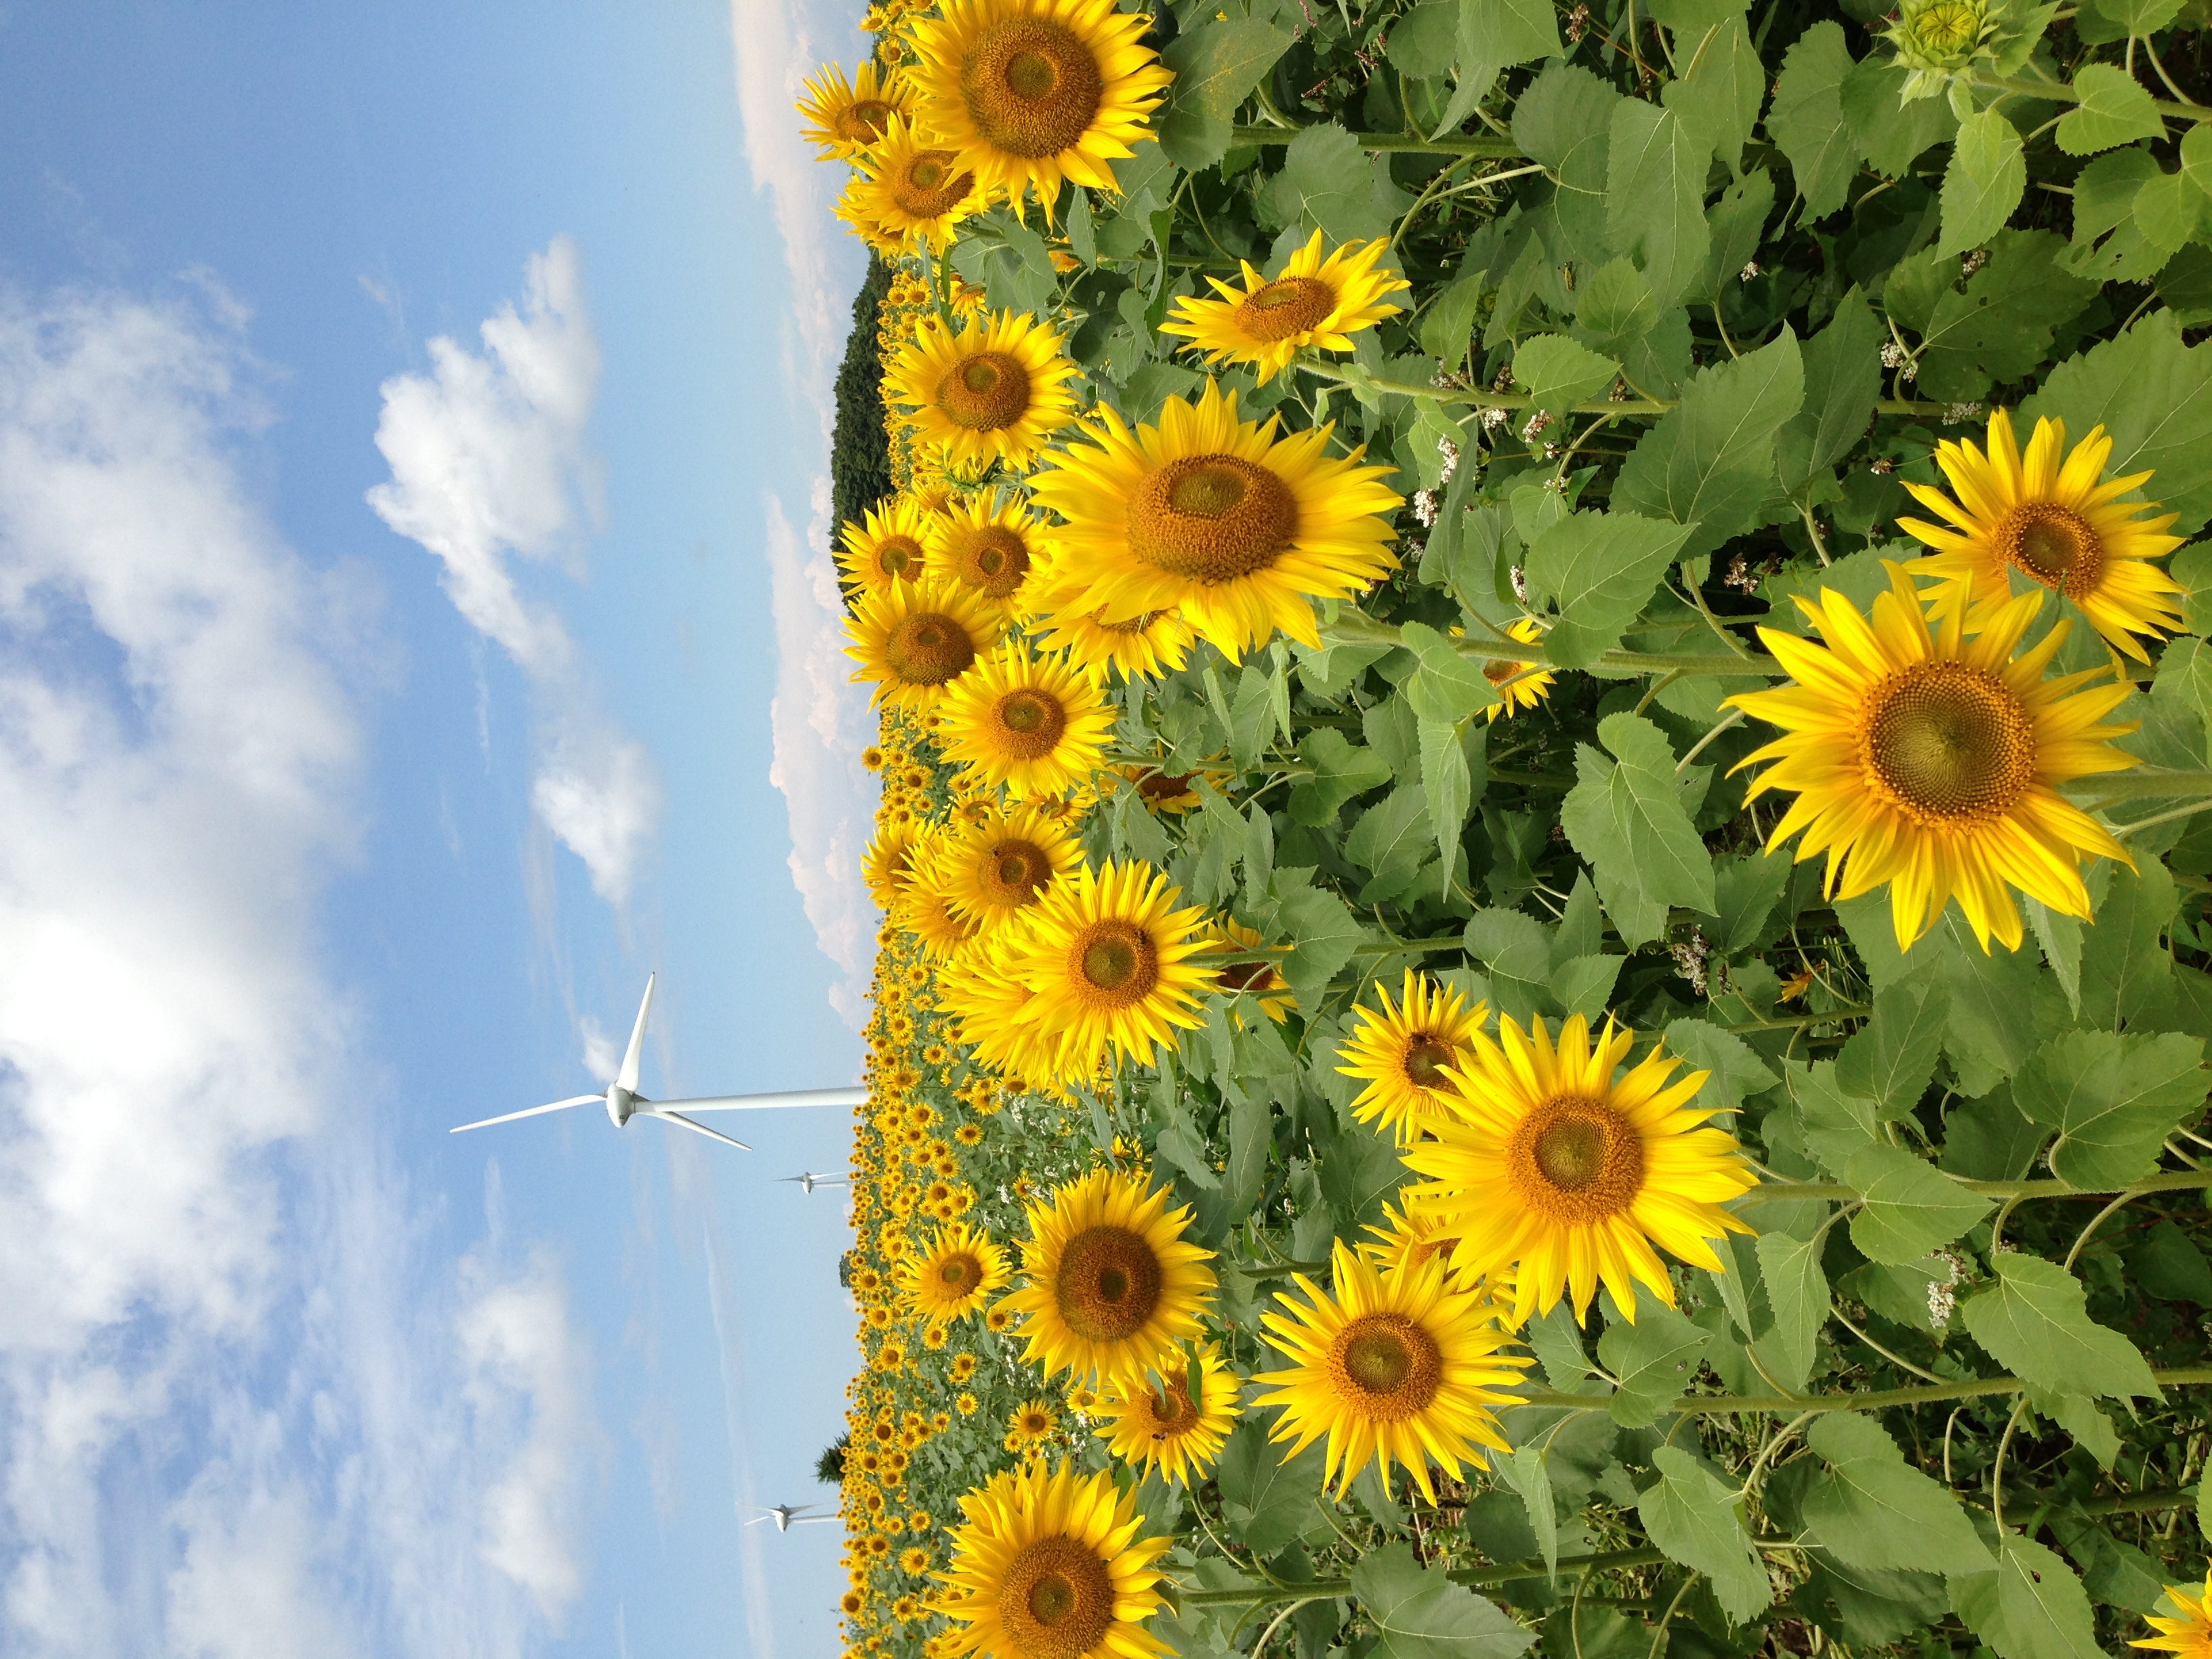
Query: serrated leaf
1890	1060
2153	394
1583	985
1721	95
1984	183
1654	195
1599	569
1419	1613
2034	1320
2127	975
2030	1606
1892	135
1216	66
2137	17
2113	1099
2001	327
1873	1509
1710	462
1326	933
1266	1499
1911	1206
1514	950
1843	379
1527	1473
1329	183
1807	119
1626	818
1797	1292
1447	686
1341	769
1362	1170
1653	1360
1692	1516
1560	374
1746	889
1732	1065
1448	781
2167	1264
2113	110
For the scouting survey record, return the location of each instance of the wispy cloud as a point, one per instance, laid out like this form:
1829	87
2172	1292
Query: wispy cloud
217	1440
491	461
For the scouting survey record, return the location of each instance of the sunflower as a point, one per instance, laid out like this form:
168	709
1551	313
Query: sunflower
1049	1565
1036	91
2190	1635
1144	647
914	638
888	864
1030	723
926	913
993	392
1032	1421
1173	793
912	192
1552	1166
1314	302
2061	526
1258	980
987	544
1390	1366
889	544
1406	1241
1109	1284
1519	684
990	1003
1218	519
848	117
1402	1051
1156	1425
1931	762
1109	960
995	870
952	1276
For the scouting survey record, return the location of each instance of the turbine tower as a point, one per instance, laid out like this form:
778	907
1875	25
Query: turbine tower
623	1102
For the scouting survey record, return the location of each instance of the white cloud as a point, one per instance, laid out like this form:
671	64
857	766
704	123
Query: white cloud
217	1437
491	459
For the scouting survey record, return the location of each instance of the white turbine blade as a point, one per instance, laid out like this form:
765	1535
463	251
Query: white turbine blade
802	1520
851	1096
667	1117
558	1106
636	1053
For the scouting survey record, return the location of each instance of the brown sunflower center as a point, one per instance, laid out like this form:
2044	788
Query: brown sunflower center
1115	963
985	393
1107	1284
1028	722
2054	544
1211	519
1031	86
1159	786
898	555
864	119
1426	1056
1386	1364
1576	1159
1246	976
1136	624
929	648
928	187
960	1273
1286	307
1948	743
1171	1412
993	559
1014	871
1498	670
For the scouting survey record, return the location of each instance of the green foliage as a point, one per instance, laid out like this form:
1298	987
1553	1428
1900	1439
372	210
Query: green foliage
859	457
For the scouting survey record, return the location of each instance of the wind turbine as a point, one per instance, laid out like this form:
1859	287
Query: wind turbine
623	1102
787	1515
808	1180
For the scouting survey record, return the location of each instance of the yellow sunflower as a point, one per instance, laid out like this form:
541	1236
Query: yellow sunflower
1256	979
989	1002
1049	1565
1520	685
1402	1051
888	864
952	1276
1931	762
1114	966
993	870
1031	1422
846	117
1172	794
1406	1241
1392	1367
1036	91
914	639
1156	1424
914	190
927	913
1556	1167
1314	302
993	392
1030	723
1218	519
2190	1635
986	545
1144	647
2060	525
1109	1284
889	544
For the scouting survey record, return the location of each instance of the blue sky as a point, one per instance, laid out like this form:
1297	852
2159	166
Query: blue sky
414	627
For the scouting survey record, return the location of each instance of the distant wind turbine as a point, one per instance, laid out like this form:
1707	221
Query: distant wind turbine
623	1102
788	1516
808	1180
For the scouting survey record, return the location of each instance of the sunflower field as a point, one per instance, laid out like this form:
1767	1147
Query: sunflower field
1547	828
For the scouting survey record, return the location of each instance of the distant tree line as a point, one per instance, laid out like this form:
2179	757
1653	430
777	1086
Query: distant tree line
859	454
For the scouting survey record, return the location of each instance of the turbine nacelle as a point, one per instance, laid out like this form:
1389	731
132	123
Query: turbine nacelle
622	1105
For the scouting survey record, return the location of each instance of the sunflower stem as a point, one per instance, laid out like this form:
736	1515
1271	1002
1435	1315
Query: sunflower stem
1353	627
1405	144
1352	375
2148	782
1848	1399
2173	1181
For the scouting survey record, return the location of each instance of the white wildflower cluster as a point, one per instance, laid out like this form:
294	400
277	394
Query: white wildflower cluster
1740	576
1424	507
1450	451
1494	418
1959	414
1971	263
1520	579
1943	1293
1536	424
1690	955
1750	270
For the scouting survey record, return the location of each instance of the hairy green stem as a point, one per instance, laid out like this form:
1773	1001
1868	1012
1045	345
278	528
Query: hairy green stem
1777	1405
1403	143
1357	628
1476	397
2178	1180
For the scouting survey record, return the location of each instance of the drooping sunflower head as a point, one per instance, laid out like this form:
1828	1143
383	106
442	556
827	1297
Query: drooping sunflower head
1154	1422
889	544
1520	685
914	639
951	1276
1051	1565
989	544
1109	1285
2190	1635
993	870
2056	524
1929	760
1391	1366
1404	1052
1037	91
1218	519
994	392
1314	302
1556	1167
916	190
1032	724
846	117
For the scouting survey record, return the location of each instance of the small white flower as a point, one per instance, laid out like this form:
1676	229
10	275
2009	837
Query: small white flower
1959	414
1749	271
1424	507
1892	355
